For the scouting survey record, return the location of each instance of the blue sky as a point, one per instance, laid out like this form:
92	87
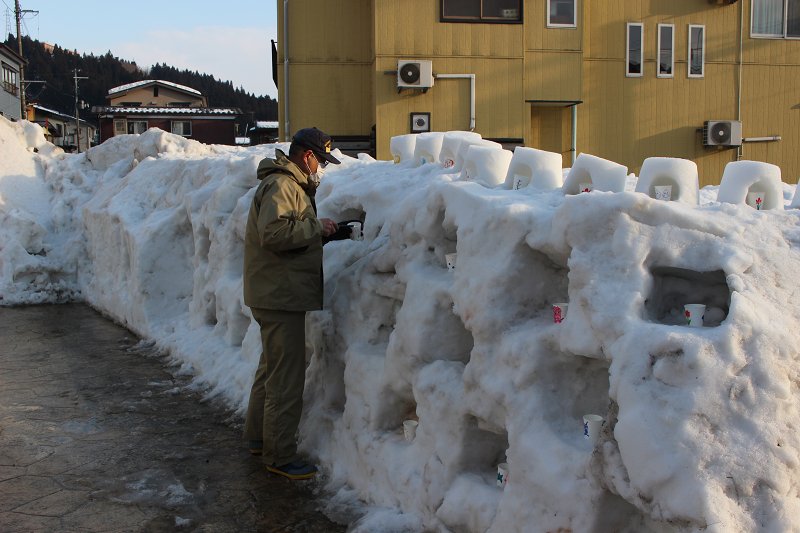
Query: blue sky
227	39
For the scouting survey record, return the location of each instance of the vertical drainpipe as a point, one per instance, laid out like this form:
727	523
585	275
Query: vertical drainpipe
286	138
740	149
574	148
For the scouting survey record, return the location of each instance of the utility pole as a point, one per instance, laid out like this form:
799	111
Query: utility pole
77	118
18	15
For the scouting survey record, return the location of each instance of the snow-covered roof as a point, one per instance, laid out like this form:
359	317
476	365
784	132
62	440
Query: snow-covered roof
242	140
147	110
264	125
130	86
52	112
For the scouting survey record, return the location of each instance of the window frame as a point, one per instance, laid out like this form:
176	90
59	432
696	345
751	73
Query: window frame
785	24
689	53
129	122
572	26
658	53
10	86
124	126
482	20
628	73
184	134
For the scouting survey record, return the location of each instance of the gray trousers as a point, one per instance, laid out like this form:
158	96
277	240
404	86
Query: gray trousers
276	399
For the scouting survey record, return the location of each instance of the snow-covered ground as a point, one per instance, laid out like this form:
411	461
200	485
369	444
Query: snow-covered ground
701	431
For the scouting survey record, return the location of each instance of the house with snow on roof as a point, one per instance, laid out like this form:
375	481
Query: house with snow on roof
59	128
136	107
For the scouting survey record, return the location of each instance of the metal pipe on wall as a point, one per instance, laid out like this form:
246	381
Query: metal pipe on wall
286	136
574	147
471	94
740	150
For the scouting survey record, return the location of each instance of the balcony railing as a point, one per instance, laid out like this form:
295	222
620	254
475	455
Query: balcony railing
10	88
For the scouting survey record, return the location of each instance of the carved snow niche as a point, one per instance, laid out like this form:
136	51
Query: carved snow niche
675	287
484	446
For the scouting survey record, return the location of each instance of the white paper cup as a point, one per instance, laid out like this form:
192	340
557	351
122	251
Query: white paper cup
358	233
520	181
756	200
449	162
695	313
502	475
663	192
591	426
559	312
586	187
451	262
410	429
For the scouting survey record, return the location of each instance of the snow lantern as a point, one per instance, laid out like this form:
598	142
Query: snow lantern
402	147
534	168
602	174
486	164
428	147
450	145
464	146
746	177
681	174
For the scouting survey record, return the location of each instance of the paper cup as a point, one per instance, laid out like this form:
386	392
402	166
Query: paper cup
520	181
756	200
591	426
663	192
451	262
586	187
502	475
358	233
410	429
559	312
449	162
397	158
695	313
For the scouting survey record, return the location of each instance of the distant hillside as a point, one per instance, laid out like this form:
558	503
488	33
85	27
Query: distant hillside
106	71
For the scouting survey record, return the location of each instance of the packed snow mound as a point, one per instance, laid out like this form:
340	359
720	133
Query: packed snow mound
700	424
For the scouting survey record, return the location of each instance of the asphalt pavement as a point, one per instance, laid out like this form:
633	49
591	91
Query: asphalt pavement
99	434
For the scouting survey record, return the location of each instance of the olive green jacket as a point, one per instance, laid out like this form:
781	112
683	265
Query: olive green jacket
283	241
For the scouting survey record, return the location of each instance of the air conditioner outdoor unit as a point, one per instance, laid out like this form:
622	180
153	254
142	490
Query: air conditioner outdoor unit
414	74
722	133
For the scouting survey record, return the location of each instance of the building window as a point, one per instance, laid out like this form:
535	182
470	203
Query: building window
10	80
633	58
155	91
697	50
179	104
183	128
131	104
137	126
561	14
666	48
509	11
120	127
775	19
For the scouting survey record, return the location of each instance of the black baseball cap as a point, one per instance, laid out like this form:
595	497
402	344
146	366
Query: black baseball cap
316	141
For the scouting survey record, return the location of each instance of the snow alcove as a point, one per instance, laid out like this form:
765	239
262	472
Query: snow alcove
675	287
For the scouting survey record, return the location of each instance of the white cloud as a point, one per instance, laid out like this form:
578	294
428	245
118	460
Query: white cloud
241	55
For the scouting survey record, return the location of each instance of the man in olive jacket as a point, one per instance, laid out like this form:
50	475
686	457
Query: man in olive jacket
283	280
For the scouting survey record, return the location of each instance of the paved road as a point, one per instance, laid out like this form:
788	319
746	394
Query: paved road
96	434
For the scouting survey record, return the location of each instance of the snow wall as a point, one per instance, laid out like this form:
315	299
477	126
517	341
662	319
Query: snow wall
701	429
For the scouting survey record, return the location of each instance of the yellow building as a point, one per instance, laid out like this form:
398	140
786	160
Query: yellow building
631	79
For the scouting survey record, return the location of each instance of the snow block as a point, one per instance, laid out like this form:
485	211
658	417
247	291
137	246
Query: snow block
486	164
680	173
603	174
428	147
536	168
402	147
742	177
450	145
464	146
795	200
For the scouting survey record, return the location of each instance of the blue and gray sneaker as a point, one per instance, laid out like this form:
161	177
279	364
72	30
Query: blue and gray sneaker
256	447
295	470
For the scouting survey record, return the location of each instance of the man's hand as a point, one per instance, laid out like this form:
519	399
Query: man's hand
328	226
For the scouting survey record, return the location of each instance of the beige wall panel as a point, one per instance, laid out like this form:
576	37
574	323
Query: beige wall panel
540	37
553	76
630	119
412	28
328	30
339	106
551	130
500	105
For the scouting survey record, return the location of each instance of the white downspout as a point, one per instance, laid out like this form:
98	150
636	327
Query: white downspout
740	150
574	147
286	137
471	94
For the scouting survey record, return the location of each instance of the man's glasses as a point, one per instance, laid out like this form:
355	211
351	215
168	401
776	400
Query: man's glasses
323	163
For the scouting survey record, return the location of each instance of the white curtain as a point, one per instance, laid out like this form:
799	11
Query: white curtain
768	17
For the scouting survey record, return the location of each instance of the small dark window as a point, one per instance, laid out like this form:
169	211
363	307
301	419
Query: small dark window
634	59
155	90
508	11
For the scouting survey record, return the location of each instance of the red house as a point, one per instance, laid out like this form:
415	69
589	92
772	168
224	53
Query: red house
137	107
